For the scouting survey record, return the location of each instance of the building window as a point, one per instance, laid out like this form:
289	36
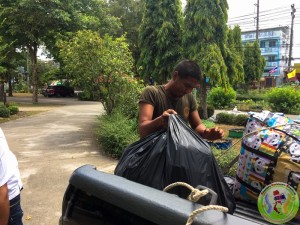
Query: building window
272	44
262	44
271	58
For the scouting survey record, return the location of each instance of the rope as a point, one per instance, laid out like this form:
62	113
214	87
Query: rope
194	196
203	209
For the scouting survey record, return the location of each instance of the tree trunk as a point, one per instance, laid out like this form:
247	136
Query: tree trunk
33	56
203	96
2	92
10	88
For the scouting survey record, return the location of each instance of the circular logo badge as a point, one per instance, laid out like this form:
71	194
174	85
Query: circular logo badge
278	203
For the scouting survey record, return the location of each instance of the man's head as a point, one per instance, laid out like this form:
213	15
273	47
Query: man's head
187	68
186	77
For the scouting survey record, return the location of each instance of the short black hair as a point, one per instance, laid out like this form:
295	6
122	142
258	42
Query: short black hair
188	68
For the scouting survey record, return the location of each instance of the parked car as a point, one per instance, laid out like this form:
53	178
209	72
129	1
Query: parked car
58	90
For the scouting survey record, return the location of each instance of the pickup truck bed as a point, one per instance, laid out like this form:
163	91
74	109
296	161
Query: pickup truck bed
94	197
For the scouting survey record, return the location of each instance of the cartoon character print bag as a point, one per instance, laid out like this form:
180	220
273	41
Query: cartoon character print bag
270	153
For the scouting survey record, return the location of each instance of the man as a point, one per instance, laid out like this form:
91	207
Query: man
158	102
10	186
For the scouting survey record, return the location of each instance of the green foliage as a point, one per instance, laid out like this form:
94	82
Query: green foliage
105	70
220	97
208	124
231	119
210	111
225	118
44	22
85	96
254	63
116	132
224	158
160	39
204	39
127	102
130	14
240	120
48	71
252	97
20	87
285	100
234	58
4	111
13	108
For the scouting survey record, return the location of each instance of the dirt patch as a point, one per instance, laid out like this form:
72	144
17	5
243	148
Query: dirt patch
40	108
30	110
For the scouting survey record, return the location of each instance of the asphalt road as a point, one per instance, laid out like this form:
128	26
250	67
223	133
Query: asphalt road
49	147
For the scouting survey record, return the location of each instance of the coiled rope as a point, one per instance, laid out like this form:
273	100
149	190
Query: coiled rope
194	196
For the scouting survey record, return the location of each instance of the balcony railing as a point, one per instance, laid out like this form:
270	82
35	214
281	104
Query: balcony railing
268	49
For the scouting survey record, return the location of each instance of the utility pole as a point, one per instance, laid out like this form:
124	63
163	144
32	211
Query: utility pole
291	36
257	20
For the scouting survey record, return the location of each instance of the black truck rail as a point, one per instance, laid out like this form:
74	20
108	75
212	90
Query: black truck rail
94	197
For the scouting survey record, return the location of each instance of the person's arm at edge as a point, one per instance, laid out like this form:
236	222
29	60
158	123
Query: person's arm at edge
146	124
4	205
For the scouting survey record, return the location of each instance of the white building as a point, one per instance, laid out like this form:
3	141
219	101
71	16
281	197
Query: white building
274	46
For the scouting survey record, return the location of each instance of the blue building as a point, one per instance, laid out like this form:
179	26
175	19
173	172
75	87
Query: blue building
274	46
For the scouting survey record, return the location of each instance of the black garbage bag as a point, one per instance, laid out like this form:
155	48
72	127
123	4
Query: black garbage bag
177	154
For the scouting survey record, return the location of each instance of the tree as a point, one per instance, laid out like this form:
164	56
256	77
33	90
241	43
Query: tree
103	67
48	71
130	13
204	41
40	22
160	39
2	55
254	63
234	58
8	62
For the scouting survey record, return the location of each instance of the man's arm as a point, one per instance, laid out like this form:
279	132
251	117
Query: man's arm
210	134
4	205
146	124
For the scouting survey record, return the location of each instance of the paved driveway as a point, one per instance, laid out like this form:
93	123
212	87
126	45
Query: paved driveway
49	147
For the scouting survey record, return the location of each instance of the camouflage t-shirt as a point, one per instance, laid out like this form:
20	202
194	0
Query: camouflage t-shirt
156	96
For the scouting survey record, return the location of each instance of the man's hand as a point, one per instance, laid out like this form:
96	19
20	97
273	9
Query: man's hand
165	117
213	133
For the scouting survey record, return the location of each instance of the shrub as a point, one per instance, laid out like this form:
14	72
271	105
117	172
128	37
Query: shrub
85	96
225	118
240	120
220	97
21	86
129	97
116	132
210	111
232	119
13	108
4	111
285	100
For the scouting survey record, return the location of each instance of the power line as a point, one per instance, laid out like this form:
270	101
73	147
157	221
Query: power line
252	15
